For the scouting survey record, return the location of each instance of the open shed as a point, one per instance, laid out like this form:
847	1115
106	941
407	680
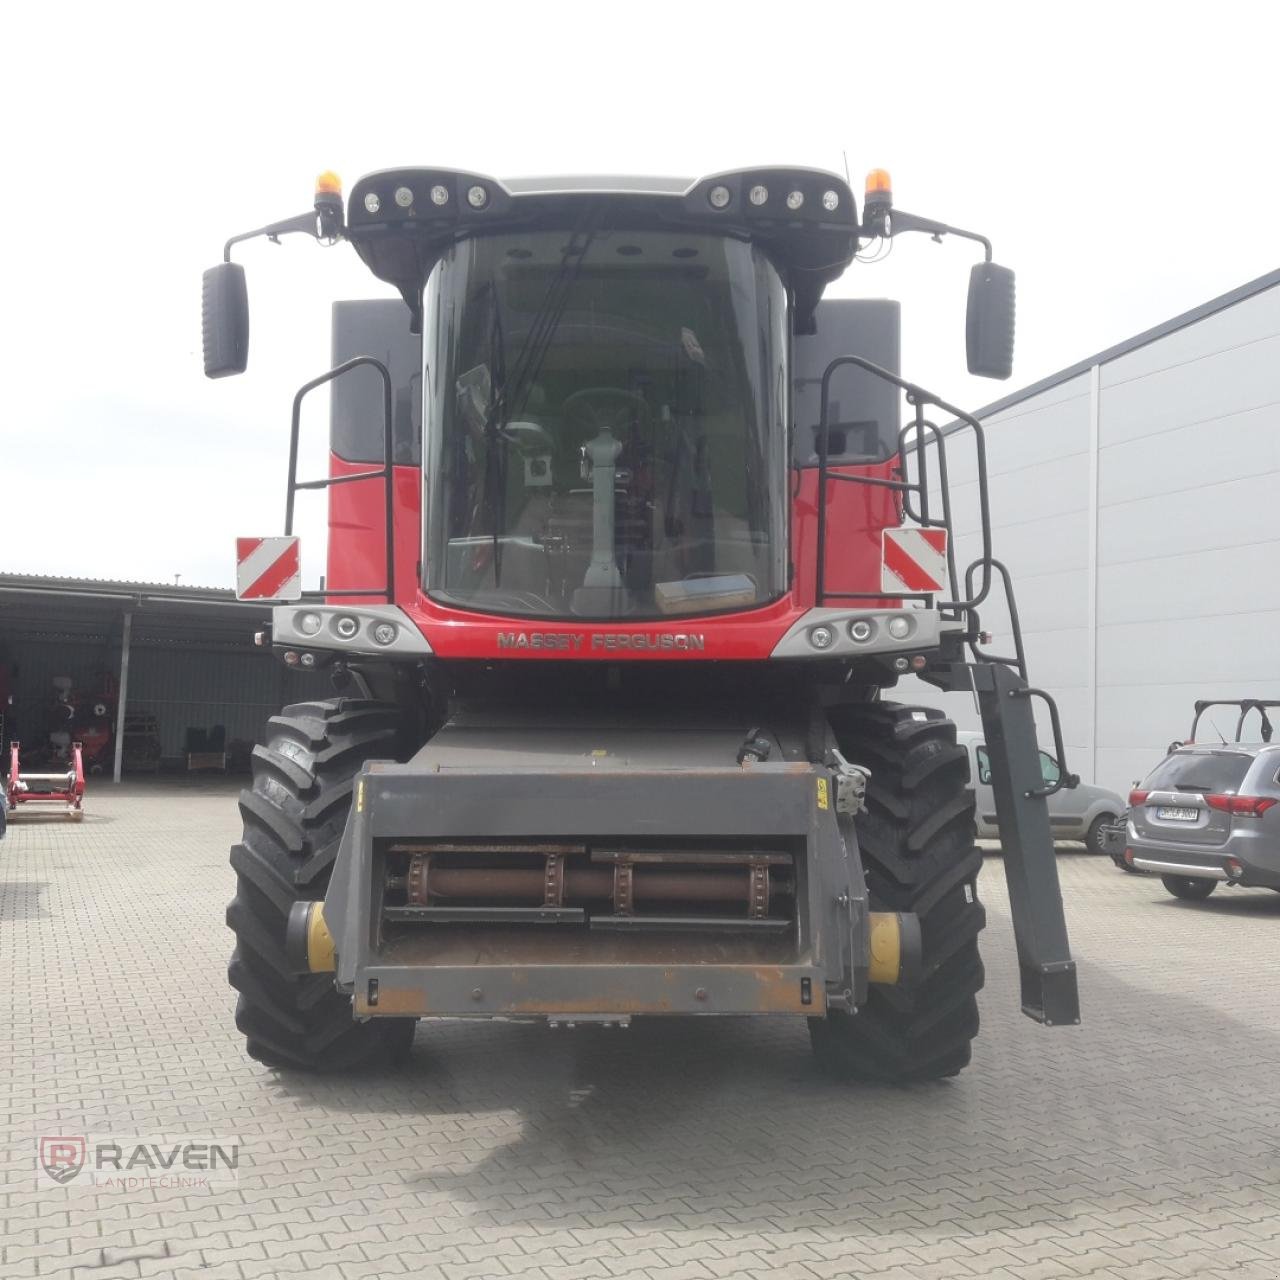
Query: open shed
169	673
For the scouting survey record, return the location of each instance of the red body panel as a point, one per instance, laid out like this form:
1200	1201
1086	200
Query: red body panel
453	633
855	516
357	533
856	513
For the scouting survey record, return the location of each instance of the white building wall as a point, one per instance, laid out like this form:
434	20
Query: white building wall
1137	506
1188	576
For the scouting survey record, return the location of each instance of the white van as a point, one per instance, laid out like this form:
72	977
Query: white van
1076	814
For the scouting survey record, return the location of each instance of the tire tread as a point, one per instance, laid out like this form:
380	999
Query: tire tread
916	842
294	814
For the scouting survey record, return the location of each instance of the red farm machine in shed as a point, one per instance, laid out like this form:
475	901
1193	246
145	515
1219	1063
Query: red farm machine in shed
64	786
628	540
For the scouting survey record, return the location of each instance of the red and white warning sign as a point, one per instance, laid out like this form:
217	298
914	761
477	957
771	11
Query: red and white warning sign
913	561
268	569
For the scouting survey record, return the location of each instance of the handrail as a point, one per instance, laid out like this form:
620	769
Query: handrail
919	431
386	472
944	490
1066	780
916	437
1019	660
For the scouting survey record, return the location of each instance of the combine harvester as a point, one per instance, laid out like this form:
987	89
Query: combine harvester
627	541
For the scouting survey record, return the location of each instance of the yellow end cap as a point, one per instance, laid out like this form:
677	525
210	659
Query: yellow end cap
320	949
879	183
328	184
885	947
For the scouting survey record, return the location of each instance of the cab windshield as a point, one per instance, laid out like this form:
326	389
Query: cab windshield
606	424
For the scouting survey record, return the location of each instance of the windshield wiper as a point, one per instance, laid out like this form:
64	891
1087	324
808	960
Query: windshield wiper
546	321
504	402
495	450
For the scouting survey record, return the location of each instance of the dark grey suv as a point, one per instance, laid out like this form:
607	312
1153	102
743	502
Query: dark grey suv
1209	813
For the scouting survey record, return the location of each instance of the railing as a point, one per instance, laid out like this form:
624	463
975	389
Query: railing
384	473
1245	705
914	438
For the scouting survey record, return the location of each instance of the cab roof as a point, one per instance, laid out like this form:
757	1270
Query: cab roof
598	184
401	221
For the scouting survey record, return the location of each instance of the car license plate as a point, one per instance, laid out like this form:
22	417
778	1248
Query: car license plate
1178	815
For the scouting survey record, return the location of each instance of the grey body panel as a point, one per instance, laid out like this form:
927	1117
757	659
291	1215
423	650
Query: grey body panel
544	802
866	327
408	641
1203	845
523	740
377	327
926	629
494	782
506	776
1071	812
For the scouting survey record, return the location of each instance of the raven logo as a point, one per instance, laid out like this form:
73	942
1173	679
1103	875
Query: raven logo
62	1158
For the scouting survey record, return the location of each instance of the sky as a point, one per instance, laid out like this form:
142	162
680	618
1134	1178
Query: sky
1121	157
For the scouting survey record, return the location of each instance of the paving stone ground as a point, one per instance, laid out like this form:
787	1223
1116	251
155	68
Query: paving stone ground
1143	1144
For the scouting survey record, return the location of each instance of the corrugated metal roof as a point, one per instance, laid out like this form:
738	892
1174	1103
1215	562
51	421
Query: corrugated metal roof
52	607
113	586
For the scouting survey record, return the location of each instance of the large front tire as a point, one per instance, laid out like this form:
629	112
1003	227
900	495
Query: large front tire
294	815
916	842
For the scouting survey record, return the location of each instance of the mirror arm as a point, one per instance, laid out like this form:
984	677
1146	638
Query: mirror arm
889	222
324	222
